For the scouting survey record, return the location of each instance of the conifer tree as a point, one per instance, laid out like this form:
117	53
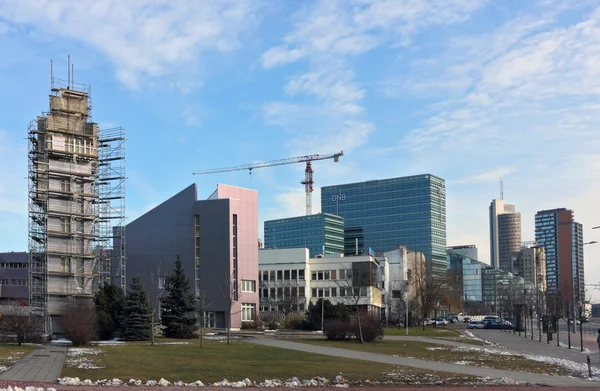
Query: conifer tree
178	305
136	313
109	301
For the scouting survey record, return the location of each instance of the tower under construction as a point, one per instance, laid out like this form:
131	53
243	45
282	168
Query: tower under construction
76	195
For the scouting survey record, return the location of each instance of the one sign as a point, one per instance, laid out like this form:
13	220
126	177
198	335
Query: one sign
338	197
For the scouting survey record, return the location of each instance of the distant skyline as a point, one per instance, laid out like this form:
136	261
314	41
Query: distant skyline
467	90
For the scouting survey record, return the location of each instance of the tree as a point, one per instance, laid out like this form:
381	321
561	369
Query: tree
17	319
79	321
429	289
328	311
356	286
398	301
136	319
178	304
230	292
202	304
158	289
108	301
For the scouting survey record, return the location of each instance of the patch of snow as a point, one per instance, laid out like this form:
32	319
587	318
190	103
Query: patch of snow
3	368
111	342
437	348
61	341
318	332
463	362
80	358
172	343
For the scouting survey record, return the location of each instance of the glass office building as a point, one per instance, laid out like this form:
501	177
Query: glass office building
320	233
383	214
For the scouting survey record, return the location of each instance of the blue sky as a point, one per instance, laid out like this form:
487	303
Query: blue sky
469	90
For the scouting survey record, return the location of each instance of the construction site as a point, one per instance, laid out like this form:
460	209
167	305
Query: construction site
76	196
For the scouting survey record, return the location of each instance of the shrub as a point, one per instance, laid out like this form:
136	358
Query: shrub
330	312
293	321
371	328
338	330
79	322
248	326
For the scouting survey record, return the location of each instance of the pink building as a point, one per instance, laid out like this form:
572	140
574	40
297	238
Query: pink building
216	240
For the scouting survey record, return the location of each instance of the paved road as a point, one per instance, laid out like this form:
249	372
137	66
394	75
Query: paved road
527	346
43	364
430	365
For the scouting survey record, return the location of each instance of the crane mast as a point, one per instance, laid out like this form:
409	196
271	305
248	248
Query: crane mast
308	181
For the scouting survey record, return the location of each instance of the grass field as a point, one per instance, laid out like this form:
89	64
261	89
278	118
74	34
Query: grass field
419	332
218	361
11	353
433	352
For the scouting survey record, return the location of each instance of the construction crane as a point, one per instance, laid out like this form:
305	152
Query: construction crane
308	171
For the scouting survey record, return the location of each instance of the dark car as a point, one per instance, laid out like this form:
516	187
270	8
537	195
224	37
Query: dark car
497	324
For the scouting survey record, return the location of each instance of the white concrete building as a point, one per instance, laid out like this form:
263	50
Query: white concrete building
289	279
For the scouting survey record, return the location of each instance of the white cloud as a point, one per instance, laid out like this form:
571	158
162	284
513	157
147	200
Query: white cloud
145	38
489	176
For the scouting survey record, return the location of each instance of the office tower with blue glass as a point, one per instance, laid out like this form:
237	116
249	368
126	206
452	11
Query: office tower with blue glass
321	233
386	213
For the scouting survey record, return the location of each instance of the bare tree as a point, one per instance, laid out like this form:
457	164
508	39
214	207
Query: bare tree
356	291
230	291
285	301
79	321
17	319
397	299
429	289
202	304
157	281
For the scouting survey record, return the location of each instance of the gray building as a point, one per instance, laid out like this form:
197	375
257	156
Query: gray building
216	240
505	234
469	250
14	278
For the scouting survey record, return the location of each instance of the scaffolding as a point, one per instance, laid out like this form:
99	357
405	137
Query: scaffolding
110	206
76	188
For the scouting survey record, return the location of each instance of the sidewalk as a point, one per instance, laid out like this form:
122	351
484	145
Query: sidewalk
43	365
545	380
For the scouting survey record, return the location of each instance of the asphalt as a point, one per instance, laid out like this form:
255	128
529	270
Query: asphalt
545	380
43	364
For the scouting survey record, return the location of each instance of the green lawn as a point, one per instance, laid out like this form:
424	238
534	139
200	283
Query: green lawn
11	353
419	332
235	362
447	354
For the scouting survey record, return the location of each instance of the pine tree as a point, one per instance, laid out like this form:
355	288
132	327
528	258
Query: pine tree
109	301
136	313
178	304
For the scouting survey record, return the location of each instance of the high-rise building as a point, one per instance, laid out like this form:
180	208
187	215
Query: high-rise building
530	263
505	234
321	233
383	214
562	239
216	241
76	191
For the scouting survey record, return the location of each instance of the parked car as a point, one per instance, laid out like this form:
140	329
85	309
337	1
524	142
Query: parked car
476	324
441	322
467	319
497	324
428	322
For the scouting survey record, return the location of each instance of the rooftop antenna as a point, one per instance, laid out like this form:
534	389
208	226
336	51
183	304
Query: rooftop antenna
51	75
69	72
501	189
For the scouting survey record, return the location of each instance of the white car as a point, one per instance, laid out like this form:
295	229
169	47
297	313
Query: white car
428	322
476	324
441	322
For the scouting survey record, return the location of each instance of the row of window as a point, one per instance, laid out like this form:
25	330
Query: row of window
344	291
16	282
281	275
287	291
13	265
330	275
275	307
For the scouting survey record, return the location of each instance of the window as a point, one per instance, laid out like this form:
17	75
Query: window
286	275
248	312
319	275
313	276
272	275
279	275
265	276
314	292
294	275
326	275
248	286
301	274
342	292
65	185
333	274
265	292
294	292
342	274
301	291
272	293
326	292
333	292
279	292
286	291
65	224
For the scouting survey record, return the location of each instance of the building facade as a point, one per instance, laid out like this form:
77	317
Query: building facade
321	233
290	280
562	239
469	250
216	240
383	214
14	278
70	208
531	265
505	234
